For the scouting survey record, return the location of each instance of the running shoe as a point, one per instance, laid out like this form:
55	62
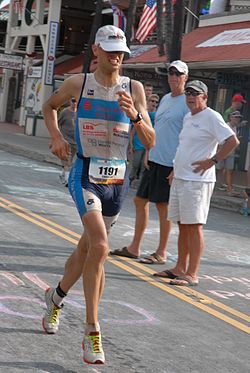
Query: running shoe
51	318
92	348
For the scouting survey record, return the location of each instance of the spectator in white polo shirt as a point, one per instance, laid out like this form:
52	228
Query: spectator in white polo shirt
193	179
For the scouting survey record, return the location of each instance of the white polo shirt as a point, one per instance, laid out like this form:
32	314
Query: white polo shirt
198	140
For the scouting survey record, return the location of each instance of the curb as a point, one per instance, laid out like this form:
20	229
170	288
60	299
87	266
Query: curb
31	154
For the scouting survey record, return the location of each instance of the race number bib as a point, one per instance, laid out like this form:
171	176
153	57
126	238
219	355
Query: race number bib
106	171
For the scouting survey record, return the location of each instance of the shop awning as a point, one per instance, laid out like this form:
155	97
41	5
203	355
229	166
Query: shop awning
226	45
73	65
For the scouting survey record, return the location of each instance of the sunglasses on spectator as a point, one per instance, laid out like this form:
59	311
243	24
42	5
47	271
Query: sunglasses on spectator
154	101
175	72
193	93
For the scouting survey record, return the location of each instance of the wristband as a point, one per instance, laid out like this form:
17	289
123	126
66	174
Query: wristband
137	119
137	124
214	159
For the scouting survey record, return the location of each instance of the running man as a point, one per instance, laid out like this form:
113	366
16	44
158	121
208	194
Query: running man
98	181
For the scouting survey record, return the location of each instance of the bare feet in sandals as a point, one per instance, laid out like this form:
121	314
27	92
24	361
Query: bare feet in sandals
124	252
166	274
153	259
184	280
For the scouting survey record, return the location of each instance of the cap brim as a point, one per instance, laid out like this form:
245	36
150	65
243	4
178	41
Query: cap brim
114	47
178	68
195	88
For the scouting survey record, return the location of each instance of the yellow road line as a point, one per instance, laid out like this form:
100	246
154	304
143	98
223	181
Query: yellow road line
200	296
183	297
24	213
38	217
41	225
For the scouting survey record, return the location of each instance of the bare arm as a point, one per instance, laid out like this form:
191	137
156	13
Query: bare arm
70	88
229	145
131	105
131	140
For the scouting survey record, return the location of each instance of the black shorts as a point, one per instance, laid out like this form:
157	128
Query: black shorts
154	185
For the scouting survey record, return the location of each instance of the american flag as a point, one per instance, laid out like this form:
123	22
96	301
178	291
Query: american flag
119	19
148	20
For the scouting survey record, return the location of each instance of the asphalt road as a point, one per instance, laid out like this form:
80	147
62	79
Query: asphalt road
147	325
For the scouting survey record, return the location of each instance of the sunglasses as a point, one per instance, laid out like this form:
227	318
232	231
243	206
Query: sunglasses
193	93
154	101
175	72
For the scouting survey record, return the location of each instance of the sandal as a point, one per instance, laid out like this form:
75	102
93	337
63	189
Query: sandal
153	259
124	252
165	274
184	281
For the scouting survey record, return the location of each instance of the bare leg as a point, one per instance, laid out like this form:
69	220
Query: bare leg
228	178
165	228
183	255
141	222
93	272
195	248
74	265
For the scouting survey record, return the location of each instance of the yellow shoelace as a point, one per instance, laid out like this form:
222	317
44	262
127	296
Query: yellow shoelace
55	314
96	343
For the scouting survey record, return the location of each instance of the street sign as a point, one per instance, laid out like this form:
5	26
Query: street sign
51	53
35	72
9	61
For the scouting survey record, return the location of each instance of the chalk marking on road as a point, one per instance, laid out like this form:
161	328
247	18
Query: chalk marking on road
8	311
38	217
182	296
12	278
200	296
36	280
140	275
146	317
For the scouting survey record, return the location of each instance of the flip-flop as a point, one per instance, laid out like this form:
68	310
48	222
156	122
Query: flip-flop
153	259
183	281
165	274
124	252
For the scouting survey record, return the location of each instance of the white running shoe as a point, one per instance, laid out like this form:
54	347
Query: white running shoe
92	348
51	318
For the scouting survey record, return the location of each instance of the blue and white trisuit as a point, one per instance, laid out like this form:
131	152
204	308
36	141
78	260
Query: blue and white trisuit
98	179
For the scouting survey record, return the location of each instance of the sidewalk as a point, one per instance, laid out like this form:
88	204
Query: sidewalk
13	140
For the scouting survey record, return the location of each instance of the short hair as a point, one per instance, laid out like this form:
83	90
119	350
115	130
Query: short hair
154	95
148	85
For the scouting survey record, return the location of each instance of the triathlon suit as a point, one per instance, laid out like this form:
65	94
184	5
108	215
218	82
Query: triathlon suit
98	179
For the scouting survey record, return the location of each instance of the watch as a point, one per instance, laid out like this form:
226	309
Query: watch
214	159
138	118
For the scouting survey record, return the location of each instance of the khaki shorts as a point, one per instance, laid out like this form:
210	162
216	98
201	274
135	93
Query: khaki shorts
189	201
